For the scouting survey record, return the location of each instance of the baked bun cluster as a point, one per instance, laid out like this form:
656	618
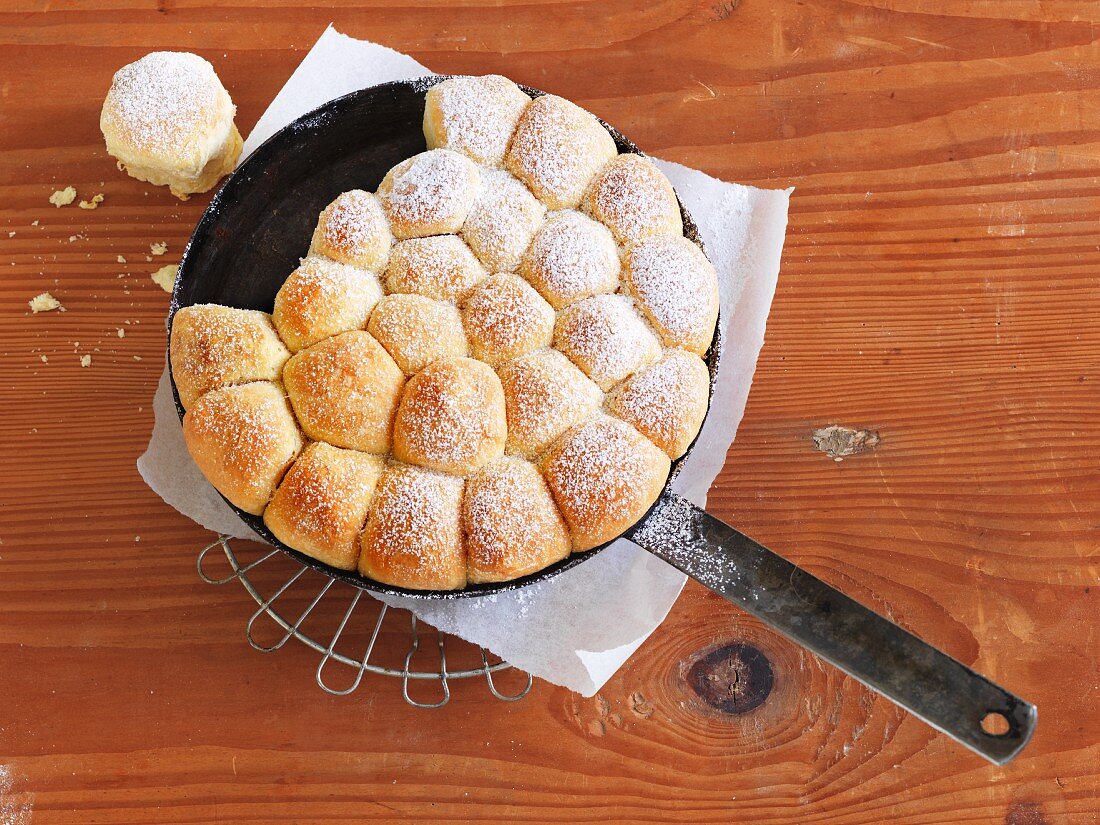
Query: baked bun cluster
485	365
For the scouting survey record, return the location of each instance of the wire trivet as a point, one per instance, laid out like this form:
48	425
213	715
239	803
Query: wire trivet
330	589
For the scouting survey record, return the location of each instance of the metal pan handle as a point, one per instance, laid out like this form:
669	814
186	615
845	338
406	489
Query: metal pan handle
943	692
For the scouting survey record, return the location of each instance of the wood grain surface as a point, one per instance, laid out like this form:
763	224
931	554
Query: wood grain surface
939	290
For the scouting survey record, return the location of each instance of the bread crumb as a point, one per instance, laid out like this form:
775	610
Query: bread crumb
74	238
121	332
93	203
43	303
121	260
11	234
158	248
85	360
63	197
165	277
44	359
137	357
34	222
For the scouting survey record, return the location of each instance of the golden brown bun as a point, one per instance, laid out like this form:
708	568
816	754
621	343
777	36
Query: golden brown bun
322	503
440	267
544	395
345	390
323	298
502	222
513	528
634	199
168	120
572	257
353	230
429	194
504	318
417	331
667	401
413	536
607	338
243	438
604	476
451	417
677	288
473	115
214	346
557	149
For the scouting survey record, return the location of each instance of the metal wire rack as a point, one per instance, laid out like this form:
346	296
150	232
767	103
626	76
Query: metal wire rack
362	610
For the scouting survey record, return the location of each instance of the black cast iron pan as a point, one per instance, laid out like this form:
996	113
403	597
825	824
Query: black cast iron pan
258	226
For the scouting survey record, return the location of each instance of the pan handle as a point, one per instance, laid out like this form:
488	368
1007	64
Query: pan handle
943	692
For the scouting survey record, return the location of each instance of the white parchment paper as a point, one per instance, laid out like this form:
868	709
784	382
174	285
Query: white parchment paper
578	628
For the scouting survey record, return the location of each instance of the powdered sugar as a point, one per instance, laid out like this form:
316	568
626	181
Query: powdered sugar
572	257
323	298
666	402
502	222
451	417
633	198
429	194
544	396
602	474
505	318
345	390
512	523
164	102
678	288
327	492
474	115
440	267
606	338
556	150
417	331
415	524
214	345
245	437
353	229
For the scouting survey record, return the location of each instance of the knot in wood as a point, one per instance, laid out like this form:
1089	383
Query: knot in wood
734	678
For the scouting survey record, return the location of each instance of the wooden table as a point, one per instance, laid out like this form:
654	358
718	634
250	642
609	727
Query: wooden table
939	289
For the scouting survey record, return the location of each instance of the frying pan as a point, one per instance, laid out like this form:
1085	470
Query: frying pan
258	226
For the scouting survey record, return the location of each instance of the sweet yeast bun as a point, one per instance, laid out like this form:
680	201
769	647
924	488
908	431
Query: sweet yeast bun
504	318
353	230
572	257
321	505
243	438
512	525
544	395
634	199
440	267
604	476
429	194
677	288
322	298
214	346
345	390
607	338
473	115
417	331
502	221
451	417
413	536
557	149
667	401
168	120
